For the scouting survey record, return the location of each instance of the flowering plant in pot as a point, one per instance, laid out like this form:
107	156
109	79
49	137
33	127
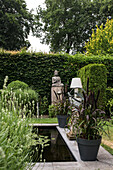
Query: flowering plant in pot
62	110
89	124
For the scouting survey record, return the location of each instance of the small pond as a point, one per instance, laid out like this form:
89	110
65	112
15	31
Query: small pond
57	151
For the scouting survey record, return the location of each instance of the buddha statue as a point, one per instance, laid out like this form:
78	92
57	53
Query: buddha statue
56	80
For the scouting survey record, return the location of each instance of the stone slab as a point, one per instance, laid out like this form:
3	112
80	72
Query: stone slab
41	124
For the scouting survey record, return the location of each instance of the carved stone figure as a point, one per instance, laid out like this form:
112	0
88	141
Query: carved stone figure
57	87
56	80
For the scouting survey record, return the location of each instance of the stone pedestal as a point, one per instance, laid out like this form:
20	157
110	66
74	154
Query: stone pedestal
59	91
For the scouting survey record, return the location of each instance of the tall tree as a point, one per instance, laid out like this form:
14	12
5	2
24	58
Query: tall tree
15	24
101	41
68	24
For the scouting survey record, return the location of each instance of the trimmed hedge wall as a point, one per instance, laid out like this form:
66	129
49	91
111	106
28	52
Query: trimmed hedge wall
37	69
109	93
97	74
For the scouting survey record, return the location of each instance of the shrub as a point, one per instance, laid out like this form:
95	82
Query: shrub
16	141
101	41
109	105
16	137
43	106
25	100
52	111
28	98
14	85
97	74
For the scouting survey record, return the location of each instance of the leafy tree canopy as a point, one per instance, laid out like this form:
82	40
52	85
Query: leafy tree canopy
68	24
101	41
15	24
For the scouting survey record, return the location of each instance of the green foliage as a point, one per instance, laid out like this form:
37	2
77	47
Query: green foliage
109	105
89	120
37	69
16	137
43	108
66	23
51	111
23	100
44	120
101	41
109	149
15	24
109	93
16	140
28	98
62	107
97	74
14	85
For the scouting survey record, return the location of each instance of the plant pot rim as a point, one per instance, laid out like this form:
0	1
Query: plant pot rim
89	141
62	115
99	136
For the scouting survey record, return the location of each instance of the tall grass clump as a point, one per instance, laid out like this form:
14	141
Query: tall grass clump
16	136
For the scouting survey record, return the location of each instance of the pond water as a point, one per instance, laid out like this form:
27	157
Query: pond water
57	151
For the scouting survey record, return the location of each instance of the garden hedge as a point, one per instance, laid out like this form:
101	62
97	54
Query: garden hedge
97	74
37	69
109	93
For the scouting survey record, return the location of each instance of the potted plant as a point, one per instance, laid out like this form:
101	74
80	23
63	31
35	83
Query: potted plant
89	124
62	110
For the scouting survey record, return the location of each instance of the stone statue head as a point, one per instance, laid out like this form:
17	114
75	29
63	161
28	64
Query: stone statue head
55	73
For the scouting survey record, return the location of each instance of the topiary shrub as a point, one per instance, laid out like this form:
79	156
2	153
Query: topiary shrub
14	85
97	74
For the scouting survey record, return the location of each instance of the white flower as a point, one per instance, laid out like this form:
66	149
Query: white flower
2	154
